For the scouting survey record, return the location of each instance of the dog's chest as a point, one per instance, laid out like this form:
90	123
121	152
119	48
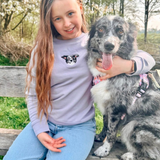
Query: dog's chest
101	95
115	91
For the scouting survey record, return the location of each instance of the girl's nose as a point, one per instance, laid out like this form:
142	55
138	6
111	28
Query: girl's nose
67	22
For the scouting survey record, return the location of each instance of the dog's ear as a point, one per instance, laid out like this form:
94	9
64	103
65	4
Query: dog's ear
132	33
91	33
64	57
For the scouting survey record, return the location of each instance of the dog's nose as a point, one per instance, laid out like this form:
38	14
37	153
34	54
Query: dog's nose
108	46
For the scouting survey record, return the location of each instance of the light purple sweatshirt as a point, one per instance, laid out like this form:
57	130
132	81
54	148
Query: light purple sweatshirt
71	82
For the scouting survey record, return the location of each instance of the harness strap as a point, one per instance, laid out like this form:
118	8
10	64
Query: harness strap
143	86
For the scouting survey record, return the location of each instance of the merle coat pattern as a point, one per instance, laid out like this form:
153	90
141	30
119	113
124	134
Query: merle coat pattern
140	128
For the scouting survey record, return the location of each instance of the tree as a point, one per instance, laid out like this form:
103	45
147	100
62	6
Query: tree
12	9
121	9
150	7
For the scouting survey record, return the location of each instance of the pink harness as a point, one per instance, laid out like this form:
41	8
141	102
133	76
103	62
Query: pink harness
143	86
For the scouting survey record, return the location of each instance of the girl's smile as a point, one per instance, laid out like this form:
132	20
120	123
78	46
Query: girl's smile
66	18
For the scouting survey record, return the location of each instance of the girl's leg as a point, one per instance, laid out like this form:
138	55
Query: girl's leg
79	141
26	147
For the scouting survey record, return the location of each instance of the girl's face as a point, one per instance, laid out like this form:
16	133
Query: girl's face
66	18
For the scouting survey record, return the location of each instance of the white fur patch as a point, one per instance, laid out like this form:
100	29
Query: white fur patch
101	95
127	156
103	150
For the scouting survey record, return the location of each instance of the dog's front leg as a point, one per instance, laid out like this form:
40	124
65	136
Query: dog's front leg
110	139
100	137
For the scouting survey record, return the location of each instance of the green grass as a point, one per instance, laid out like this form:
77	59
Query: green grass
99	120
152	45
5	61
13	113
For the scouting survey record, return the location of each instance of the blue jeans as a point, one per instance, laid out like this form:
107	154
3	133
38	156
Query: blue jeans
79	141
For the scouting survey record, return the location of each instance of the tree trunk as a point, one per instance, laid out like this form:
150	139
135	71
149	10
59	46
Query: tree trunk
8	19
1	30
121	9
146	19
113	7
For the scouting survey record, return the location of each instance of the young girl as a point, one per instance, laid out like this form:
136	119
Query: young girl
58	96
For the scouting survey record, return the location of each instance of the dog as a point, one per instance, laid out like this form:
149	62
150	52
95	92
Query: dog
130	104
70	59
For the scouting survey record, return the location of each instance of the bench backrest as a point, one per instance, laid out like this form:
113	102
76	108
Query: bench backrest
12	81
12	84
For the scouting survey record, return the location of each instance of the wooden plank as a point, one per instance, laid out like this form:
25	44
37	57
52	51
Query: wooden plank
12	81
116	152
7	136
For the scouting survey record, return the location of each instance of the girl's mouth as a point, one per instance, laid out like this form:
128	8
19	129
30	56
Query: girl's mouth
70	30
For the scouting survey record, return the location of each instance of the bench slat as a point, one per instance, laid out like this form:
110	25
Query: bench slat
7	136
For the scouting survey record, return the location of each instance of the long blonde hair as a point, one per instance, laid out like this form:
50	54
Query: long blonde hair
43	49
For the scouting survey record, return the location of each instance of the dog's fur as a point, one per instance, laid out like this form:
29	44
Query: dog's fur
140	128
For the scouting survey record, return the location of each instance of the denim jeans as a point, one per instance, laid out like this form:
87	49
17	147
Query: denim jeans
79	141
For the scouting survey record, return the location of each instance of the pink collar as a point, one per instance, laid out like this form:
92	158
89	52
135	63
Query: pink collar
96	80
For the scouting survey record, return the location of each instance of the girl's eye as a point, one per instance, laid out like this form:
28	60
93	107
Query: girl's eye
57	19
70	14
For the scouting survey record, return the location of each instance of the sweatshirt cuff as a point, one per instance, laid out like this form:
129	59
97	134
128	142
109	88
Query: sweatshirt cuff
41	126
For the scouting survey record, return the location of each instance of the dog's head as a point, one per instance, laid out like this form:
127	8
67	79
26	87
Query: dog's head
111	36
70	59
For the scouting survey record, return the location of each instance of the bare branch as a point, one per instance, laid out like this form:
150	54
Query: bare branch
18	23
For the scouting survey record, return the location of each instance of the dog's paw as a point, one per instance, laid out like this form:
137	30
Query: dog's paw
101	152
127	156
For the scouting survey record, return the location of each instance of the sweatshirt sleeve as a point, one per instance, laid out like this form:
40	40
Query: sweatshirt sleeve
39	125
144	62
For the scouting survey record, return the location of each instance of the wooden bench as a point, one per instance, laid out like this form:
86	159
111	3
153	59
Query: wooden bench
12	84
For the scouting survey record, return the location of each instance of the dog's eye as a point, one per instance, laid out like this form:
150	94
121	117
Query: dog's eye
120	31
101	30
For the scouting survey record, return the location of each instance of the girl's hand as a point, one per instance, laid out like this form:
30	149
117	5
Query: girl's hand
51	143
119	66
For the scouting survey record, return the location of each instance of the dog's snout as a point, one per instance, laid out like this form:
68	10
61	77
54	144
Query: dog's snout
108	46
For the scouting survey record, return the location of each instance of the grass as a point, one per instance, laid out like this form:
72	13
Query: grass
152	45
13	113
5	61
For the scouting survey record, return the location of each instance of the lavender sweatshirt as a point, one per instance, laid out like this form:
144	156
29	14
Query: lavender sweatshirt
70	84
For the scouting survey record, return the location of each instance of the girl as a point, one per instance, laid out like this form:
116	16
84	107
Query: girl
58	96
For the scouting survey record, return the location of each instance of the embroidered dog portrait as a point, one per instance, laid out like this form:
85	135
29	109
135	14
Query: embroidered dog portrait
70	59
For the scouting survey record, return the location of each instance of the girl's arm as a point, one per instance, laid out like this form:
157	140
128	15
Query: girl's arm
40	125
143	61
